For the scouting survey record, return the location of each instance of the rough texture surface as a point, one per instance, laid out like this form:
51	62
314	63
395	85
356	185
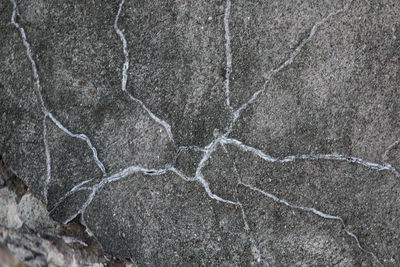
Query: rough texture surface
208	133
29	237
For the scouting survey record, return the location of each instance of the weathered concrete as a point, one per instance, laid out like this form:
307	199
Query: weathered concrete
212	133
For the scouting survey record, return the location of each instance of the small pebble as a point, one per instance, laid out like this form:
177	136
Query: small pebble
216	132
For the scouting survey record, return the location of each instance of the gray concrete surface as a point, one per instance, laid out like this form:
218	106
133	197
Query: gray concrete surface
227	133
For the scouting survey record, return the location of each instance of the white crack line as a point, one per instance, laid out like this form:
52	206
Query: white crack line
199	177
246	225
82	137
29	54
155	172
76	188
125	68
228	54
187	148
268	158
113	178
356	160
289	61
385	155
316	212
42	105
48	158
116	177
195	148
181	175
209	148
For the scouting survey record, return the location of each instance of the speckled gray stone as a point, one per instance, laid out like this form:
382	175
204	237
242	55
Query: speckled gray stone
226	133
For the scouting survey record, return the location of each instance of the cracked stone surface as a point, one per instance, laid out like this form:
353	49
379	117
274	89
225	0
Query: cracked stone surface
210	133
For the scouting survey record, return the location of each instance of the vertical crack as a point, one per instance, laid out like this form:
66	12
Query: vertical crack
125	68
246	225
48	158
228	53
29	55
46	113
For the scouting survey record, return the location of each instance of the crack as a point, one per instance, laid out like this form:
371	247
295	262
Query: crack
390	147
195	148
199	176
228	54
268	158
181	175
337	157
48	159
206	150
246	225
282	201
28	53
76	188
82	137
155	172
316	212
46	113
113	178
289	61
125	68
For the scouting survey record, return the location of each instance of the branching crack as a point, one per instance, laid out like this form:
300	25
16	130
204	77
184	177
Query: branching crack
207	151
45	111
223	139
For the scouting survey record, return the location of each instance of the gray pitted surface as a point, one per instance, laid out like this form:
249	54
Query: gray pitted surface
211	133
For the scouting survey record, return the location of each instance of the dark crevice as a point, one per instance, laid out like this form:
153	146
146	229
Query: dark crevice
10	180
74	229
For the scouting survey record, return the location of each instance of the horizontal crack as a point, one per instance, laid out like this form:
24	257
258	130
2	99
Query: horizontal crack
356	160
